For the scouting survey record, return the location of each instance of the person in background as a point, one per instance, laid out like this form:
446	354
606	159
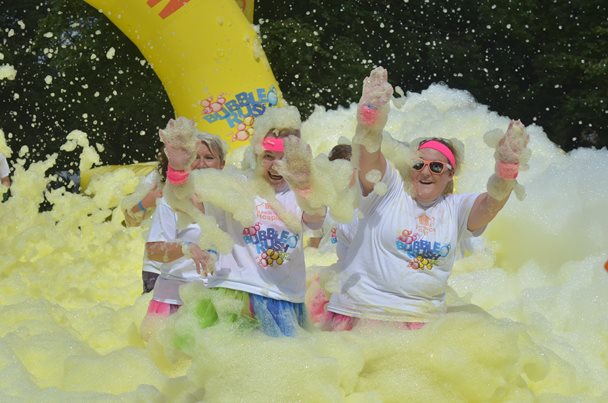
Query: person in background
4	171
326	238
335	237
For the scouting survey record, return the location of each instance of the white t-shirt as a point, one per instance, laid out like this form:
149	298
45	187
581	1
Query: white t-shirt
149	181
337	236
398	264
4	169
181	271
266	259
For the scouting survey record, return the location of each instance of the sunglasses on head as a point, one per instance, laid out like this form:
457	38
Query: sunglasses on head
436	167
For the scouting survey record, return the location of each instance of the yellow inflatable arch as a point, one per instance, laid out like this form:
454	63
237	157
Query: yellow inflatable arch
208	57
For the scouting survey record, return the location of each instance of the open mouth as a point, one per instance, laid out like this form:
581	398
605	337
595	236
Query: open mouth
274	177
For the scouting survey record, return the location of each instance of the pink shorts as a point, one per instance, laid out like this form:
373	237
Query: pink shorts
330	321
161	308
337	322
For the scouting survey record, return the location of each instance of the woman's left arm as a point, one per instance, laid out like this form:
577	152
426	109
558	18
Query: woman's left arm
484	210
511	149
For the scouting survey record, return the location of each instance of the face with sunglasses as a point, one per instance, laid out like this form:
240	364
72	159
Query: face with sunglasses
431	174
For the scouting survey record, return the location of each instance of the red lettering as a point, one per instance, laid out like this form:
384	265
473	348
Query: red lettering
170	8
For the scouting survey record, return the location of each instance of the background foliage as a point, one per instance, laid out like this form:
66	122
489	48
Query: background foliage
542	61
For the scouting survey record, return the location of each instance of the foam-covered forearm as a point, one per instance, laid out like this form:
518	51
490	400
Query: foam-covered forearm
372	110
317	183
499	188
511	155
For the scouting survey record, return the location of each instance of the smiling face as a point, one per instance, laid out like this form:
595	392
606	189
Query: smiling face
428	186
268	159
205	158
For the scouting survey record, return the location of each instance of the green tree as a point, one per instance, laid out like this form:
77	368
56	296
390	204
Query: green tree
541	61
76	70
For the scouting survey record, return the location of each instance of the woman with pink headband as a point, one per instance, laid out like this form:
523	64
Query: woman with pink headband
397	267
266	269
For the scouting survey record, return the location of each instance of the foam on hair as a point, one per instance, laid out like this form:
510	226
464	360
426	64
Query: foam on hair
287	117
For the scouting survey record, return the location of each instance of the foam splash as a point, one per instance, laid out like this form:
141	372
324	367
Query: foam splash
526	319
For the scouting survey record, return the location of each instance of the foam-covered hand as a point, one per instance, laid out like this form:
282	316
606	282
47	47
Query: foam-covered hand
296	165
179	157
179	138
204	260
511	149
372	110
511	155
297	169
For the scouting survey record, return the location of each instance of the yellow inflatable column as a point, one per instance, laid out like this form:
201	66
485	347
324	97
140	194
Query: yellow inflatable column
207	56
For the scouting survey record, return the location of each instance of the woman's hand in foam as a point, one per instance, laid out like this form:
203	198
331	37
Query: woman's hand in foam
296	165
512	145
512	151
203	260
180	157
372	110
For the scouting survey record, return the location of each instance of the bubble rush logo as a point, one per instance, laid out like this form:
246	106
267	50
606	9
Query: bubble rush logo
239	113
421	254
333	237
272	247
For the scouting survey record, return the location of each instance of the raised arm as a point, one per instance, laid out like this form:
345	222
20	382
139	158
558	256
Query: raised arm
298	170
372	114
511	151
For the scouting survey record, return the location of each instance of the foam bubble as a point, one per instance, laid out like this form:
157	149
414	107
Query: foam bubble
525	322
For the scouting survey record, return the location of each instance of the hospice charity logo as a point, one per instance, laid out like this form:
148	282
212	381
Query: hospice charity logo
421	254
239	112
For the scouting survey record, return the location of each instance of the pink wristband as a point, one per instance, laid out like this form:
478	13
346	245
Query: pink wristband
177	177
506	170
368	114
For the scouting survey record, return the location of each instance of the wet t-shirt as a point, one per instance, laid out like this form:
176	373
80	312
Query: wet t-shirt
400	259
267	258
173	275
336	236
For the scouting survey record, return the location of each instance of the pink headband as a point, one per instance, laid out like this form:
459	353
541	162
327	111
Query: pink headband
273	144
177	177
442	148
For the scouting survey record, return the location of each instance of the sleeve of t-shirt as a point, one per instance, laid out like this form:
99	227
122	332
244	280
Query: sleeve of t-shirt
375	201
4	169
164	224
464	203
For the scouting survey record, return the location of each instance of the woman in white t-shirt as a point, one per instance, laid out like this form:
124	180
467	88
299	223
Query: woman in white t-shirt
174	247
210	153
266	267
398	264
